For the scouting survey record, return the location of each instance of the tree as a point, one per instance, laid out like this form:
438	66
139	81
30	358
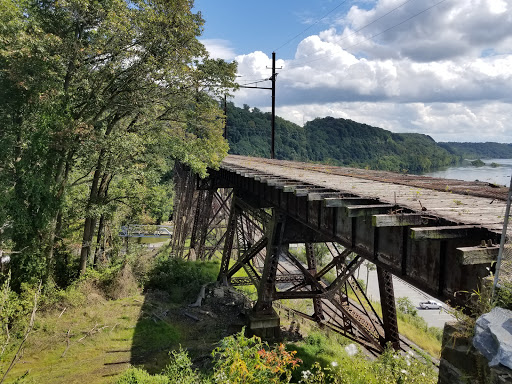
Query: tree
122	89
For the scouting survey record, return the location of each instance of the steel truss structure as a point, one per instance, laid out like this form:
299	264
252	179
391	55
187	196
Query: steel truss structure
212	222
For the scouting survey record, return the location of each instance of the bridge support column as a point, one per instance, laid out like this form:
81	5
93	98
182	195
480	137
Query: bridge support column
387	301
264	321
228	242
311	259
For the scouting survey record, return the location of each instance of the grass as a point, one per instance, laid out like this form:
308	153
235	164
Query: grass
417	330
99	339
83	342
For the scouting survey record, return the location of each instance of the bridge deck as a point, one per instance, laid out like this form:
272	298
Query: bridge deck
460	202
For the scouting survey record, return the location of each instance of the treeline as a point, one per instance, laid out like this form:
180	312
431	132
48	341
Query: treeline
488	150
97	99
335	141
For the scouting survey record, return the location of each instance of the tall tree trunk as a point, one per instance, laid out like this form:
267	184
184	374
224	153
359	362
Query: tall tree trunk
90	219
98	249
102	197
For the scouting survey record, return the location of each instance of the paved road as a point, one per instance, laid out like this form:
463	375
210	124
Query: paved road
433	317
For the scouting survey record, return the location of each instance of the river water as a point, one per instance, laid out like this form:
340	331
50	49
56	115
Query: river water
496	175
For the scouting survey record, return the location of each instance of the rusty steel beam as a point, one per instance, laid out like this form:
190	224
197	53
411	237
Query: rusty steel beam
311	260
267	286
387	301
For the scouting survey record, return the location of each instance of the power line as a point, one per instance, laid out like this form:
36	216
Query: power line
311	26
396	25
299	63
374	21
256	82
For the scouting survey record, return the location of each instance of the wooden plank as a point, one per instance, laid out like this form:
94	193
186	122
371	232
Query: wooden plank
277	182
345	201
265	177
307	191
366	210
442	233
477	255
398	220
323	195
249	174
292	187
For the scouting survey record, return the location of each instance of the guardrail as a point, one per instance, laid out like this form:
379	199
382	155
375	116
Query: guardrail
141	230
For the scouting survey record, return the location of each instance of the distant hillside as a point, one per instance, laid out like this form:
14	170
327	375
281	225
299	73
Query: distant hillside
346	142
249	134
334	141
487	150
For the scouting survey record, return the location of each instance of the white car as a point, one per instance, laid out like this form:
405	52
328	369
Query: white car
431	304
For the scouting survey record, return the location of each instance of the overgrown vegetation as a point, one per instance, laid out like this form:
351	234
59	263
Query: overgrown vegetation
99	320
239	359
97	101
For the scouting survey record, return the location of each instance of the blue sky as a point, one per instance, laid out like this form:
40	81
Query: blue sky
439	67
268	25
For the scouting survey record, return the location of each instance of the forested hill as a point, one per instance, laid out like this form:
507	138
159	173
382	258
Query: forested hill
487	150
334	141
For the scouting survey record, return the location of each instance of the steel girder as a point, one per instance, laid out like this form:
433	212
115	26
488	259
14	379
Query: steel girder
255	240
277	274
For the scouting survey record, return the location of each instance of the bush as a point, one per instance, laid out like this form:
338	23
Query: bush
504	296
251	361
404	305
178	371
140	376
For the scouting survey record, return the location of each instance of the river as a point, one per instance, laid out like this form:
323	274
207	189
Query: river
497	175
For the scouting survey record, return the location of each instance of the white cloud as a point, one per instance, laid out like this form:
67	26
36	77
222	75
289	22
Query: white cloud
446	72
219	49
442	121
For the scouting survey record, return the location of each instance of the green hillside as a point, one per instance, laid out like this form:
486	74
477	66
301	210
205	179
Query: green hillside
334	141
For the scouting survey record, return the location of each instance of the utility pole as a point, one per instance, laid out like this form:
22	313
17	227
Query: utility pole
273	89
226	117
273	78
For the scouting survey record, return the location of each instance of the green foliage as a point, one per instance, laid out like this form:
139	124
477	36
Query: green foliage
477	163
97	100
249	360
503	297
180	278
140	376
405	306
180	371
248	134
389	368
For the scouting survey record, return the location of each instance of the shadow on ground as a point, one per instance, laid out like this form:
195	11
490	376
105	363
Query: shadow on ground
164	326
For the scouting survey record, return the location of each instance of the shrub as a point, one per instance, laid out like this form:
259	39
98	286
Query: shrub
140	376
404	305
179	370
251	361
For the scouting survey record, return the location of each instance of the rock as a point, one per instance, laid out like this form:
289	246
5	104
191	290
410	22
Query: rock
218	292
493	337
351	349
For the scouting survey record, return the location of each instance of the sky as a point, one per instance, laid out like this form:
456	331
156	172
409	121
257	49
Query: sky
437	67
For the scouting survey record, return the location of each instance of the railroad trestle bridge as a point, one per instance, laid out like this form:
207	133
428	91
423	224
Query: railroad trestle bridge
439	235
